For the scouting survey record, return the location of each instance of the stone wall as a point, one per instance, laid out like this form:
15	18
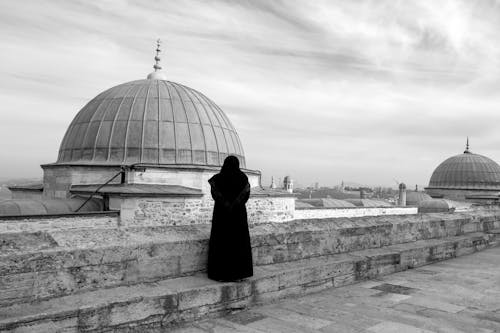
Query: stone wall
105	220
322	213
457	195
57	179
188	177
37	265
26	194
186	211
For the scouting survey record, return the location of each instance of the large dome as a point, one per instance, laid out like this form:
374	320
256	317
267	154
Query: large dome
150	121
466	171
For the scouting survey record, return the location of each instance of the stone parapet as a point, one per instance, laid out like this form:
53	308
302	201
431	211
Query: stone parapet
156	307
54	223
39	265
322	213
140	212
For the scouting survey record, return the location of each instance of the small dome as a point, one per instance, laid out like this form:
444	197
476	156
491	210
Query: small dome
151	121
414	198
466	171
21	207
434	206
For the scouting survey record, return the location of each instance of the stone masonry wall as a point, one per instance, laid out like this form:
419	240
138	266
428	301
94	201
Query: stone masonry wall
57	179
62	222
37	265
182	177
458	195
322	213
186	211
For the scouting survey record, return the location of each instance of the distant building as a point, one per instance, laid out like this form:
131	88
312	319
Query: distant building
414	198
467	176
402	195
288	184
273	184
148	137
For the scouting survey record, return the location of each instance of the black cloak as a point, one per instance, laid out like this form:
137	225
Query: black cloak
229	249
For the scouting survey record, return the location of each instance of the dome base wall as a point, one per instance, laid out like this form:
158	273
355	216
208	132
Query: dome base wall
458	194
59	178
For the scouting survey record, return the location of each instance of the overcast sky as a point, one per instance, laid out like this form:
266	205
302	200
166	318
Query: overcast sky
364	91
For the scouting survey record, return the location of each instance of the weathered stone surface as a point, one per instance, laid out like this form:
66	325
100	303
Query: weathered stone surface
41	265
149	306
54	223
141	212
318	213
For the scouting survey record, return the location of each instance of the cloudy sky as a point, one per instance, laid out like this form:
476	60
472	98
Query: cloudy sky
364	91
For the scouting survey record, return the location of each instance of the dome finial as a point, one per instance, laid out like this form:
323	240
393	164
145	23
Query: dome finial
467	151
157	74
157	66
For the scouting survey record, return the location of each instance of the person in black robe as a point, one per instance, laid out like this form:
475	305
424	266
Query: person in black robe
229	249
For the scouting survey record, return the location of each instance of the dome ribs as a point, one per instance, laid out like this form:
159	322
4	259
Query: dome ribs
127	128
187	129
200	102
165	157
70	142
89	138
144	124
114	125
230	129
150	121
182	146
188	93
103	137
467	171
158	122
220	127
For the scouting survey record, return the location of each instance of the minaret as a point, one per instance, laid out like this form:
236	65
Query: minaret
157	74
288	184
273	184
467	151
402	195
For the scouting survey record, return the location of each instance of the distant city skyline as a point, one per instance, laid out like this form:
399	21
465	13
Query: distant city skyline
357	90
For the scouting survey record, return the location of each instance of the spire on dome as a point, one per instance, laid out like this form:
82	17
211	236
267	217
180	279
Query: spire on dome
157	74
157	66
467	151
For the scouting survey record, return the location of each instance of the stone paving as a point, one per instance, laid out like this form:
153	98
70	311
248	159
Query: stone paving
453	296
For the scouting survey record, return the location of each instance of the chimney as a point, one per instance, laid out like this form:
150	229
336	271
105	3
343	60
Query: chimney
402	195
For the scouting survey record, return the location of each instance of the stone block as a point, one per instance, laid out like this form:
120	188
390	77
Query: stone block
195	298
151	269
67	325
344	280
262	285
135	311
412	258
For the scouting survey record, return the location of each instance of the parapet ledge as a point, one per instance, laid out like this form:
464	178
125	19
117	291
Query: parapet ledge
111	213
356	207
26	187
260	191
138	190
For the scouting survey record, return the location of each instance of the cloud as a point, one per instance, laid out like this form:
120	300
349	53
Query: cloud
355	90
